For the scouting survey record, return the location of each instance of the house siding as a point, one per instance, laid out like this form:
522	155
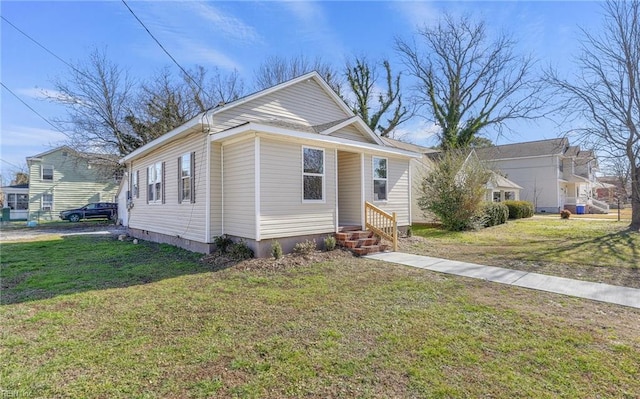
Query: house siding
75	183
350	201
397	187
239	189
283	212
538	178
185	220
305	103
216	191
352	133
419	170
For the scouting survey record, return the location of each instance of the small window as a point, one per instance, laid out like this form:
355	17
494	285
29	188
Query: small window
47	202
186	179
154	182
509	195
47	172
379	179
135	188
496	196
312	174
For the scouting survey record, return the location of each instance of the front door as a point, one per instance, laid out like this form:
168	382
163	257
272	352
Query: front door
350	201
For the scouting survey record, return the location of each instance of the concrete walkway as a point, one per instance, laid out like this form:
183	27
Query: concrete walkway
582	289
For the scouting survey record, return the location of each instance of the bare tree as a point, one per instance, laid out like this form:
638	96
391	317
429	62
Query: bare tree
208	91
372	104
467	81
97	96
275	70
606	90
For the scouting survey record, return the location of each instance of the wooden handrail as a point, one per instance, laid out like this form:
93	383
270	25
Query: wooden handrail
381	223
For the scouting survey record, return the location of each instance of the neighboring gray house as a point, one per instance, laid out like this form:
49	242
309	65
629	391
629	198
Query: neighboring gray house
288	163
553	174
63	178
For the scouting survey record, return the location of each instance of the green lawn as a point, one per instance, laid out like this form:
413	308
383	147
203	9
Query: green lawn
598	250
151	321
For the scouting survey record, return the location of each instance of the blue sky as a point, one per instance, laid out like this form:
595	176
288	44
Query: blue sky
240	35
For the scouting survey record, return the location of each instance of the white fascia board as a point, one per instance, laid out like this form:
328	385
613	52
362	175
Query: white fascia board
357	120
188	127
267	130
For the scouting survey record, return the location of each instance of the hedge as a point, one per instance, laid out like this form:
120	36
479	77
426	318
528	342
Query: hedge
519	209
494	213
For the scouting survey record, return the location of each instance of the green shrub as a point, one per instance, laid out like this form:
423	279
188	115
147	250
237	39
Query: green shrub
276	250
494	213
223	243
519	209
565	214
240	251
330	243
409	231
305	247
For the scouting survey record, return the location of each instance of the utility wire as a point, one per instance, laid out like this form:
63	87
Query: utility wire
45	48
161	46
34	111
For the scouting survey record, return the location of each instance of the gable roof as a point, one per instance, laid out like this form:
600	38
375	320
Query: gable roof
200	121
408	146
522	150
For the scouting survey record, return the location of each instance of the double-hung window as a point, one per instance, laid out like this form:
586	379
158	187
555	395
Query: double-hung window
47	172
379	179
135	185
186	178
47	202
154	182
312	174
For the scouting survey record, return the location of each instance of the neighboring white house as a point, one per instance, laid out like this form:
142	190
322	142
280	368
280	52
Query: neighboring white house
16	198
288	163
553	174
62	179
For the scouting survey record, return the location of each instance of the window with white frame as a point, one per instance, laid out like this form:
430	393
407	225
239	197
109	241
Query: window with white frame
47	202
47	172
312	174
379	179
186	179
154	182
19	202
135	187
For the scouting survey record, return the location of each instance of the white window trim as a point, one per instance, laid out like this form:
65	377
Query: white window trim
135	184
155	200
42	168
324	186
42	202
181	199
374	178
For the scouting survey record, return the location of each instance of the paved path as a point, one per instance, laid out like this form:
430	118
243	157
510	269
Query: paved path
559	285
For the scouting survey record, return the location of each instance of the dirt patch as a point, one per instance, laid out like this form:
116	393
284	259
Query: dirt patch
31	233
223	261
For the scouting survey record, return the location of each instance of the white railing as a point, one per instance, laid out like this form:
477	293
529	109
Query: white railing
575	201
599	204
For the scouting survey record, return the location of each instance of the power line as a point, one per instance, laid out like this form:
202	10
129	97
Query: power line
33	110
161	46
44	47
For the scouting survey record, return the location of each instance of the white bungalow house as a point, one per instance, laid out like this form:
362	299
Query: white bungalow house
553	174
16	198
288	163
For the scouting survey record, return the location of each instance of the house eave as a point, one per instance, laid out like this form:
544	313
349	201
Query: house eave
193	125
267	130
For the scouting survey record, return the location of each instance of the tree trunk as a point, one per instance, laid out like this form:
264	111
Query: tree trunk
635	197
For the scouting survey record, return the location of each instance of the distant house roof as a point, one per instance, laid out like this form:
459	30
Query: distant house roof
502	182
408	146
18	186
528	149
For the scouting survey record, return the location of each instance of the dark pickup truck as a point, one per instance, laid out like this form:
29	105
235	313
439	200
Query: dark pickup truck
96	210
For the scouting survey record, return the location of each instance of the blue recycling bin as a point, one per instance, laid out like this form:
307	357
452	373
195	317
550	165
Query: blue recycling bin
580	209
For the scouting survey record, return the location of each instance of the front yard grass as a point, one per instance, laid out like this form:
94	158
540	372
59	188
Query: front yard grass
594	250
343	327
